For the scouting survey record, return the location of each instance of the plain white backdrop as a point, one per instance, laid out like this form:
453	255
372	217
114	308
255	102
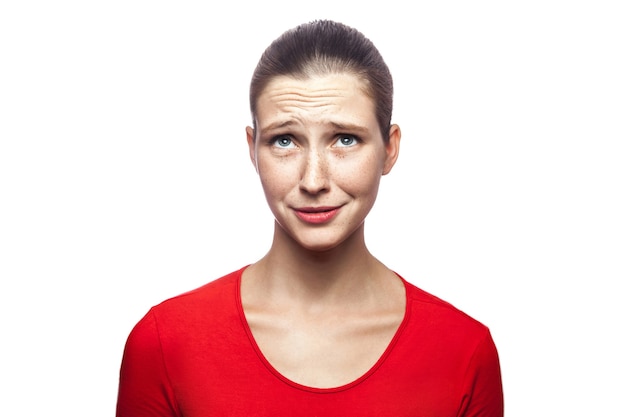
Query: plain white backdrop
125	179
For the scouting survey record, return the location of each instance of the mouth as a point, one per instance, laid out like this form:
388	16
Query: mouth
316	215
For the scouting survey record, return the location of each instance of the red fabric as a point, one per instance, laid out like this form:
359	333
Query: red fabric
194	356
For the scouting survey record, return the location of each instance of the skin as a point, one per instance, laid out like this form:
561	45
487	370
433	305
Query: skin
320	306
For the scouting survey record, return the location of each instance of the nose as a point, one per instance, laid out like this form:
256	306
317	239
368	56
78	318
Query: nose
314	177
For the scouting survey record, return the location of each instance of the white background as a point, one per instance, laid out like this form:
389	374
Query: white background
125	179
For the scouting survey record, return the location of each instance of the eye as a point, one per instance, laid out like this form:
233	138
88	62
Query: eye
346	141
282	142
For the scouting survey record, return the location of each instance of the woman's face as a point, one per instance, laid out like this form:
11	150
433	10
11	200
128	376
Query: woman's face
319	153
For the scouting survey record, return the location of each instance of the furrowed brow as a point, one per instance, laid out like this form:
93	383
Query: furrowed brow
275	126
350	128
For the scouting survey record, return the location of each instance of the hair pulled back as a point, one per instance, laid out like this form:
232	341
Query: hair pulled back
325	47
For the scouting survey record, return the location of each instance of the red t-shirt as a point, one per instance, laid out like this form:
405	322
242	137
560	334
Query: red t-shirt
194	356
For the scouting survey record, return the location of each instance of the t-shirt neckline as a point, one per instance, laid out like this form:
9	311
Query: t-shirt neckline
372	370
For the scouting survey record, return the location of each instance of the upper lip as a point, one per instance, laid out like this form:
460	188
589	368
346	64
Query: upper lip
319	209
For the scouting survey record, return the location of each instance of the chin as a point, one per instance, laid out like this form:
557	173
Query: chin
317	243
319	247
323	239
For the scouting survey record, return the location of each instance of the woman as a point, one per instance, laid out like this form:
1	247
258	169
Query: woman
318	326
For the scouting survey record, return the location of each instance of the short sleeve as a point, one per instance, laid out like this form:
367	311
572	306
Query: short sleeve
144	387
483	383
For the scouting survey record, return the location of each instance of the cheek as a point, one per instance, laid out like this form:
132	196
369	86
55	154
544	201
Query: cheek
361	176
276	179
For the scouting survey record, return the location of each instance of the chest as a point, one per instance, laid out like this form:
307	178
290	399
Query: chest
238	382
324	352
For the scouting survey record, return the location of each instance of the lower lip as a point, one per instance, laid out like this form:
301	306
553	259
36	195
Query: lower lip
318	217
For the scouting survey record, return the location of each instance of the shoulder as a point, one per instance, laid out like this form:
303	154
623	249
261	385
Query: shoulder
200	309
214	293
440	316
437	333
190	319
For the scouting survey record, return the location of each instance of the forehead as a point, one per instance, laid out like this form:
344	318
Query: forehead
331	96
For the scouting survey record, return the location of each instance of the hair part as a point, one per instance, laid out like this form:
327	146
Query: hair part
324	47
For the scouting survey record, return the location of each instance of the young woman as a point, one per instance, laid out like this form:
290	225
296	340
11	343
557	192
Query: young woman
318	326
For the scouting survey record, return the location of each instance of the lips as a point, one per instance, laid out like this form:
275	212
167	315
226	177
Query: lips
316	215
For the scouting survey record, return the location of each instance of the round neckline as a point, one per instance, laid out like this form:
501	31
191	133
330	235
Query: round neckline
297	385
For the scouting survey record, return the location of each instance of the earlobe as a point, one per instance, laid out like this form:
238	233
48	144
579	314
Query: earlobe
392	148
251	147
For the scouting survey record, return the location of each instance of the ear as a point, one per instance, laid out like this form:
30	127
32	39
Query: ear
251	147
392	148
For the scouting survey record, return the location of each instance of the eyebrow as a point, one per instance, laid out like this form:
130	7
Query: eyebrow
338	126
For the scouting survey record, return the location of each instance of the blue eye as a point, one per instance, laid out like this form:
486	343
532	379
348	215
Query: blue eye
346	140
283	142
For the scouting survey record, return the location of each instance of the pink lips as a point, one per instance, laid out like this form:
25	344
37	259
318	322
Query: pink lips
316	215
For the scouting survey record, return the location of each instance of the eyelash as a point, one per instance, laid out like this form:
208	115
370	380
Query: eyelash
354	139
276	139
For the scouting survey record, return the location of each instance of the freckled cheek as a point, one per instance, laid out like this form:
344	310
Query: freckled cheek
277	180
359	177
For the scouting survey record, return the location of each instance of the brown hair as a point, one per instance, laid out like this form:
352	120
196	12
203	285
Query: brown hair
327	47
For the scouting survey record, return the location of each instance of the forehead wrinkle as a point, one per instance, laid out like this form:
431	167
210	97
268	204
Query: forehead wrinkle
291	103
307	99
287	102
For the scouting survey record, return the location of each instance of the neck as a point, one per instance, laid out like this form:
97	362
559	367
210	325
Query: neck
345	272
